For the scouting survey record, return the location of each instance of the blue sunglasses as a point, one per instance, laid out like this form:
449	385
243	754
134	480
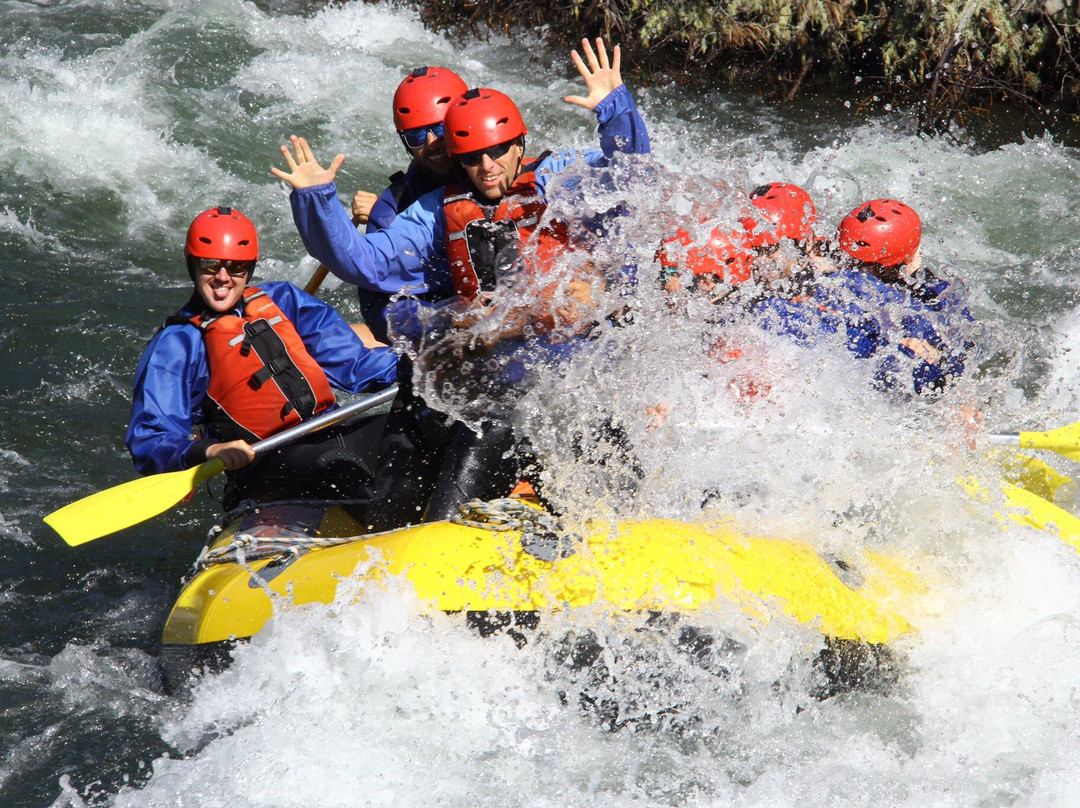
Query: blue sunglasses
415	138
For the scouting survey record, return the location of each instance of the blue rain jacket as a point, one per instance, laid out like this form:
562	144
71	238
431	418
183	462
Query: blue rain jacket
387	207
873	318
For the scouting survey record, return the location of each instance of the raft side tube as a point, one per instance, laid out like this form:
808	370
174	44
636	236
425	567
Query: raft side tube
650	565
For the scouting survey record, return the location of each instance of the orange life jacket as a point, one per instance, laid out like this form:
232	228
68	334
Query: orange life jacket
262	378
484	240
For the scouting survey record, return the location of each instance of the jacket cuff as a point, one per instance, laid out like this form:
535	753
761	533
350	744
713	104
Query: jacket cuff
319	190
196	453
614	103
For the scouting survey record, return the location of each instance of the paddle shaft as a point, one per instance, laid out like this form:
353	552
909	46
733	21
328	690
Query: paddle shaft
325	420
137	500
1064	440
316	279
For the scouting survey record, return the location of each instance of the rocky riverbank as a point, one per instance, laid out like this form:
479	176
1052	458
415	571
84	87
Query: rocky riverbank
949	59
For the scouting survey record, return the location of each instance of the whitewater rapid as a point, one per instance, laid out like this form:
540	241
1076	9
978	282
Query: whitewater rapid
123	120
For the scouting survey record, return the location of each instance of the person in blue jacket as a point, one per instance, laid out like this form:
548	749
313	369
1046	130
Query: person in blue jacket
238	363
877	321
420	104
883	237
460	241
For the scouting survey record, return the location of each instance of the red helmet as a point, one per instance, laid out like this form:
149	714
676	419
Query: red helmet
481	118
422	98
723	255
223	234
883	232
787	211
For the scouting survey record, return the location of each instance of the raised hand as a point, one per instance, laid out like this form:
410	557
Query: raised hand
600	76
304	169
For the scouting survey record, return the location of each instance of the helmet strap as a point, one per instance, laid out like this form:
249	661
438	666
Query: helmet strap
521	161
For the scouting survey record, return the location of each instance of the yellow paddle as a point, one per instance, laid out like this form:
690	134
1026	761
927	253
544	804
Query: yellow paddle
136	501
1064	440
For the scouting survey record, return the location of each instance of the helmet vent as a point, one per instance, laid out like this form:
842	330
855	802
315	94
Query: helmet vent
205	240
503	121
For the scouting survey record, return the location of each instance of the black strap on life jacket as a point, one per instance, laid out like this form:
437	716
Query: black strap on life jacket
260	336
531	166
495	247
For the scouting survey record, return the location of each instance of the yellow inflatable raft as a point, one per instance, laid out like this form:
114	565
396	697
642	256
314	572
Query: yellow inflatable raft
510	557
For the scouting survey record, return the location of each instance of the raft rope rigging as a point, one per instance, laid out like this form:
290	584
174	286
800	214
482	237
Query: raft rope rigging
246	548
542	535
507	513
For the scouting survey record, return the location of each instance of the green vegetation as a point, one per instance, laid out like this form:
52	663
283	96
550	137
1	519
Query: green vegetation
952	57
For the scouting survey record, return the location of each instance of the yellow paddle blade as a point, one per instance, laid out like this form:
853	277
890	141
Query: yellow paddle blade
1032	474
1038	513
127	504
1064	440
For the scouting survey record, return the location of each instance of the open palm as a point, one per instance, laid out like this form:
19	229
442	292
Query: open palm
601	77
304	170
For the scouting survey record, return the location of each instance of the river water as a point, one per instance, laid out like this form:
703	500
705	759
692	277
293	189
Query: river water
122	120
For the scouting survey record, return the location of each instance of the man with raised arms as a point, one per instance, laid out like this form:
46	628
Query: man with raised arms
459	241
487	140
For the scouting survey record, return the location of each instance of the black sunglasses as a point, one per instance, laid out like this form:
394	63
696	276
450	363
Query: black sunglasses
236	269
415	138
473	158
